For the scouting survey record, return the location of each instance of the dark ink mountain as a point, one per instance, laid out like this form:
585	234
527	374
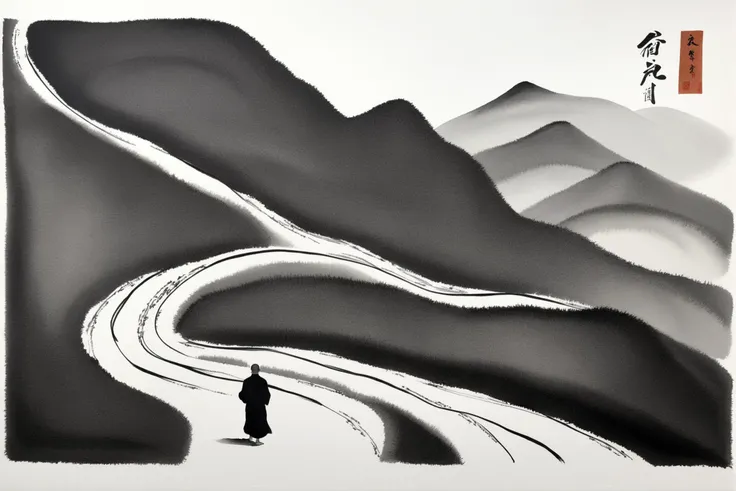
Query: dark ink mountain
210	94
85	216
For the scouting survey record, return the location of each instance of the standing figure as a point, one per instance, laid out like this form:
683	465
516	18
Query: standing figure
256	396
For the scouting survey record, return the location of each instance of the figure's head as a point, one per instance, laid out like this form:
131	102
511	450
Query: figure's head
254	368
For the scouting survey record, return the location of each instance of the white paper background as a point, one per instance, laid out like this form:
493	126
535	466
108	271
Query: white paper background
446	57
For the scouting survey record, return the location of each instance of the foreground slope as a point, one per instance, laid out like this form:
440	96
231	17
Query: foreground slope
83	218
605	372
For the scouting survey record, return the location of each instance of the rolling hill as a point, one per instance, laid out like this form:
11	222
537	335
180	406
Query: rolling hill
626	196
625	184
543	163
610	374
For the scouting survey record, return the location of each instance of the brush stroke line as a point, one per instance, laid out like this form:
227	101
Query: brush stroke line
168	290
375	379
183	278
122	305
195	343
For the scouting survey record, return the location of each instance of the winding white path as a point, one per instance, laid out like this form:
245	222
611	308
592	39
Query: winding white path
132	336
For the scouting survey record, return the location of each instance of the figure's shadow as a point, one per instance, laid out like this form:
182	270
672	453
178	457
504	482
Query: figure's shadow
237	441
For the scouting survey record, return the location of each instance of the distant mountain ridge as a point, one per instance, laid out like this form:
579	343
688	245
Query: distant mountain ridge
636	137
680	231
520	92
628	184
558	142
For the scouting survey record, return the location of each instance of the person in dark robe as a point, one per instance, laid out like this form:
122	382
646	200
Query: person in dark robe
256	396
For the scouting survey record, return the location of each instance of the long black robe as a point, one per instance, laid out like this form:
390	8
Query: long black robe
256	396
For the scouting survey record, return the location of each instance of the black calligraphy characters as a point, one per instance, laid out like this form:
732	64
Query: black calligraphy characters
650	47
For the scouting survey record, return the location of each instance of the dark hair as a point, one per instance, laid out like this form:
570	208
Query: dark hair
255	368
